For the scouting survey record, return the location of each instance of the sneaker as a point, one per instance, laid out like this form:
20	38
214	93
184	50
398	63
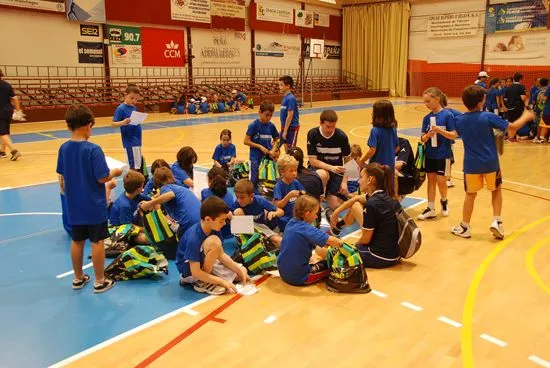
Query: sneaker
3	154
462	231
537	140
328	214
445	208
206	287
106	285
497	229
450	184
79	284
427	214
15	154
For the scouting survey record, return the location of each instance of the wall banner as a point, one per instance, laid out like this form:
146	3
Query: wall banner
321	20
125	45
453	25
303	18
92	11
274	14
276	49
90	52
220	48
89	30
49	5
516	49
163	47
331	51
124	35
517	17
228	8
191	10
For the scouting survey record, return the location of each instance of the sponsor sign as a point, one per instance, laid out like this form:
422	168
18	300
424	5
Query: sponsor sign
92	11
190	10
90	52
49	5
228	8
321	20
163	47
453	25
89	30
274	14
517	17
303	18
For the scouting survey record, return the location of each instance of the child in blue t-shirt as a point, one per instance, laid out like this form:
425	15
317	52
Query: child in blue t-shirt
131	134
192	106
204	107
492	101
225	153
353	183
239	100
438	125
180	106
534	93
261	137
183	167
200	258
287	188
263	211
181	204
125	209
150	189
481	163
83	173
383	142
290	115
456	113
295	262
217	186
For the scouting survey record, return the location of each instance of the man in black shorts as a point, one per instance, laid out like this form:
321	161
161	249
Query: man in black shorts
7	101
328	149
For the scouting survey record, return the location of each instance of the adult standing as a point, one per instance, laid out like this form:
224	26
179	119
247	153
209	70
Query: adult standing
515	98
8	101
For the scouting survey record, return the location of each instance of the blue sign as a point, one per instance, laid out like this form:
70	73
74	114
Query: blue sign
517	17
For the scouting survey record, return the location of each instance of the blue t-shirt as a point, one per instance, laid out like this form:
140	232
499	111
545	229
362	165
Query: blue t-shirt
224	154
444	119
280	191
385	141
190	248
546	110
533	95
257	208
180	109
241	97
179	173
125	210
150	185
262	134
192	108
455	113
480	151
491	103
204	106
221	107
299	239
185	208
82	164
289	104
229	199
131	134
481	84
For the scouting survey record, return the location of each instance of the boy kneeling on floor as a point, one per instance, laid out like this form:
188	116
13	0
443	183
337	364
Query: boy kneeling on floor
200	258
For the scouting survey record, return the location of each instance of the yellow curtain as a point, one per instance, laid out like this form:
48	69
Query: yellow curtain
375	45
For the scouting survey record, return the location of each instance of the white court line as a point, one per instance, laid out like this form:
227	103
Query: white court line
31	214
450	321
412	306
51	230
29	185
539	361
494	340
270	319
190	312
515	182
379	293
86	266
130	332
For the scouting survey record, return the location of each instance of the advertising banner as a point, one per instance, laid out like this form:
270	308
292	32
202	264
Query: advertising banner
518	49
124	35
274	14
90	52
321	20
163	47
453	25
89	30
276	49
331	51
220	48
92	11
125	45
304	18
228	8
517	17
49	5
191	10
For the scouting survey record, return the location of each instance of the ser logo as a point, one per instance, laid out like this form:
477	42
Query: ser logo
89	30
172	50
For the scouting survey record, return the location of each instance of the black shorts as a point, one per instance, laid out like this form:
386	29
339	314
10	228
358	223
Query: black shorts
5	122
440	166
334	184
515	114
93	232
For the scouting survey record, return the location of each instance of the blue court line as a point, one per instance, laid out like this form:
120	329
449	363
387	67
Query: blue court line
64	134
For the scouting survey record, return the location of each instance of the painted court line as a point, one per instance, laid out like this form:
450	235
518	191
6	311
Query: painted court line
539	361
494	340
31	214
450	321
412	306
129	333
270	319
379	293
86	266
29	236
190	312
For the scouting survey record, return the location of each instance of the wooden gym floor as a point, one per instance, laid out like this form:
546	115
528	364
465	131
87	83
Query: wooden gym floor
456	303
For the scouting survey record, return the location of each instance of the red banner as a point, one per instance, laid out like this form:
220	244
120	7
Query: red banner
163	47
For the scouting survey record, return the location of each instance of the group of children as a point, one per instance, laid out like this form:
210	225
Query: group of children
216	104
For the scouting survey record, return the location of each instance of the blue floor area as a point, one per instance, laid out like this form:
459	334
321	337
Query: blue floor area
209	119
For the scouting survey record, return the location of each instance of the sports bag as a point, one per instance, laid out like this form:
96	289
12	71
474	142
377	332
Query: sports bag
253	252
347	273
410	237
419	174
238	172
158	232
268	173
136	263
120	239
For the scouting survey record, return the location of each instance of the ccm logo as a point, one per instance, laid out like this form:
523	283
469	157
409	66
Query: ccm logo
172	51
89	31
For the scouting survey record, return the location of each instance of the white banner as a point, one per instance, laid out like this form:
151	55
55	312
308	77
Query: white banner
274	14
51	5
515	49
228	8
304	18
191	10
92	11
126	55
453	25
321	20
213	48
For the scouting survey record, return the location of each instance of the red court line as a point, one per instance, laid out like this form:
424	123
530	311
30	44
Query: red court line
185	334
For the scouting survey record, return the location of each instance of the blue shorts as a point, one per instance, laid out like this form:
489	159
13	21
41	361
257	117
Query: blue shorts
291	136
254	171
353	186
134	157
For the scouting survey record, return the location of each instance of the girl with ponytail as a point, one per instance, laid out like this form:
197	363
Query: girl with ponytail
375	215
217	186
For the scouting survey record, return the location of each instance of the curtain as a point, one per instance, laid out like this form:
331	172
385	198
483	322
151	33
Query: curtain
375	45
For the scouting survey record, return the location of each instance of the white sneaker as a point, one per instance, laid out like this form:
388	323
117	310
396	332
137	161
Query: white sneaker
462	231
205	287
445	208
537	140
427	214
497	229
450	184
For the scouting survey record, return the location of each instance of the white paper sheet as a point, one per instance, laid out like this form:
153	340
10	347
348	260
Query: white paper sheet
247	289
242	225
137	117
115	164
352	170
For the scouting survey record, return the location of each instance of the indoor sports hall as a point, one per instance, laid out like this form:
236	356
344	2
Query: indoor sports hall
457	302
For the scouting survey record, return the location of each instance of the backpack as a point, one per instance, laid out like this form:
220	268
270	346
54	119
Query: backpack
347	272
158	232
120	239
419	172
255	252
136	263
268	173
250	103
238	172
410	237
539	104
406	182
